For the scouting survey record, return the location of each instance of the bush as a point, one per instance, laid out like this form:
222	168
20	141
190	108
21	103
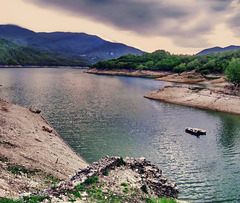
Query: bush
232	71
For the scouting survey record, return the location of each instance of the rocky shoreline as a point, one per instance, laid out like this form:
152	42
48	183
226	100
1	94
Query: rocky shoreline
33	157
29	144
217	94
202	98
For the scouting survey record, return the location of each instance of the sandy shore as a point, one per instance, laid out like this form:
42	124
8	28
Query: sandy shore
26	139
198	97
133	73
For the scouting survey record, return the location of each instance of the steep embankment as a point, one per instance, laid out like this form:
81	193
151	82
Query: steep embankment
31	152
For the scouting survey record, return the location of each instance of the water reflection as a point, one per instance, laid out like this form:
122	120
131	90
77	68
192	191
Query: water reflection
99	115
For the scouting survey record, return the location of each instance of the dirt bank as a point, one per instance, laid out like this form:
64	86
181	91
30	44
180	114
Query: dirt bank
31	152
203	98
133	73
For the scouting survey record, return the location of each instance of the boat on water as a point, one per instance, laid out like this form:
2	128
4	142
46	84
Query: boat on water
195	131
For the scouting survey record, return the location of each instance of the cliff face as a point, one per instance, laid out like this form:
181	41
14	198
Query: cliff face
30	149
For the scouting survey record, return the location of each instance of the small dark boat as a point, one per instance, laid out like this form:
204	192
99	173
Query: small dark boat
195	131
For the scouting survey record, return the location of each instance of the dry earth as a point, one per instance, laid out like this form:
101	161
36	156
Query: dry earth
28	142
198	97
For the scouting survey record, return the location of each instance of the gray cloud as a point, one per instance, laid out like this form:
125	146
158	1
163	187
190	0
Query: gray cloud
182	21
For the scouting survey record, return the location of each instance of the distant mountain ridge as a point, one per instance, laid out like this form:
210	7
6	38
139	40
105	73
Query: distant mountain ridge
80	46
218	50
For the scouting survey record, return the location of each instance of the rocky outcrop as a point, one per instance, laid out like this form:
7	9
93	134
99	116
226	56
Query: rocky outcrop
116	176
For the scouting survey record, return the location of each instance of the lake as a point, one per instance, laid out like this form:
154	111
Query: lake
107	115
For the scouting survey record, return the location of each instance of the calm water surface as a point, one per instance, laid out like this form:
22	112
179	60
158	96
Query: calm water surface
107	115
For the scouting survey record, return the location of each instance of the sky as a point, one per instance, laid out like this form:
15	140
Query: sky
180	27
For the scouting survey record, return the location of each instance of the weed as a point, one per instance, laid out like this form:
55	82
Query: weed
51	179
6	200
105	173
144	189
125	190
33	199
124	184
80	187
18	169
91	180
4	159
121	162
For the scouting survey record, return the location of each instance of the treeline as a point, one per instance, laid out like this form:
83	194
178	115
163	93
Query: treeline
15	54
161	60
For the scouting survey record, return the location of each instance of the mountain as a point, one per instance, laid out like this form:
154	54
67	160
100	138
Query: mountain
14	54
218	50
79	46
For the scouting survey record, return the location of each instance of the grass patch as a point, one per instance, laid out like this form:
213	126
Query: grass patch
18	169
50	179
144	189
121	162
105	173
124	184
91	180
4	159
125	190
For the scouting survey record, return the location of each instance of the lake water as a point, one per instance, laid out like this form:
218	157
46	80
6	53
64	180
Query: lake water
107	115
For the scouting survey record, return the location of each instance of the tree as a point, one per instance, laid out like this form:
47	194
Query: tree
180	68
232	71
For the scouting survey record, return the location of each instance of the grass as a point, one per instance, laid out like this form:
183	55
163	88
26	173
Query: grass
4	159
124	184
144	189
18	169
105	173
121	162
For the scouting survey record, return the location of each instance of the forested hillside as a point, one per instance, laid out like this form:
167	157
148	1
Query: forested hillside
164	61
74	46
15	54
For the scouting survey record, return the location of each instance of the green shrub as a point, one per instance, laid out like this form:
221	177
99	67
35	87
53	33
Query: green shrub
121	162
105	173
124	184
232	71
144	189
91	180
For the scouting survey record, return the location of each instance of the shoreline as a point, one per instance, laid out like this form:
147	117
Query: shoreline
202	98
216	95
35	162
29	143
132	73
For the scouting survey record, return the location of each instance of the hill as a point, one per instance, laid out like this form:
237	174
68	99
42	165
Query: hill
162	60
15	54
79	46
218	50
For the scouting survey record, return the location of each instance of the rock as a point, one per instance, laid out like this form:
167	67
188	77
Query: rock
134	172
47	129
35	111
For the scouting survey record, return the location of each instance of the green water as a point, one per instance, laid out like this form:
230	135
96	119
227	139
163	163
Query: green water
107	115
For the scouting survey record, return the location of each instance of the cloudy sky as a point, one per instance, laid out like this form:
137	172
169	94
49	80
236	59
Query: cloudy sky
185	26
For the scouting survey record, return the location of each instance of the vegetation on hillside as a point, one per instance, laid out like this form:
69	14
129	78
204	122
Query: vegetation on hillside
15	54
232	71
161	60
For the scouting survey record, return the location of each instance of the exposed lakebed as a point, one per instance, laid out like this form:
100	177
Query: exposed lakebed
107	115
